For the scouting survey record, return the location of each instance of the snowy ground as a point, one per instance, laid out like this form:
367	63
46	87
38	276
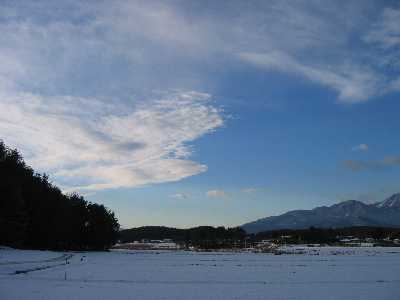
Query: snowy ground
310	273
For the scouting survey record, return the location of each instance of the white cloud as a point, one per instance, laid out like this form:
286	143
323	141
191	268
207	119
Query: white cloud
394	85
354	84
386	31
92	145
250	190
317	43
360	147
180	196
370	165
71	77
77	98
216	194
306	38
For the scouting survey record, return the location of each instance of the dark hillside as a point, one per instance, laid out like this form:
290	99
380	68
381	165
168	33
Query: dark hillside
34	213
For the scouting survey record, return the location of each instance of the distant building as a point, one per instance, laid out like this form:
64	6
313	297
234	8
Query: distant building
366	244
146	244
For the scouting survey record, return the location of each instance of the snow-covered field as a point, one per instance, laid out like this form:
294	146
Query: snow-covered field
308	273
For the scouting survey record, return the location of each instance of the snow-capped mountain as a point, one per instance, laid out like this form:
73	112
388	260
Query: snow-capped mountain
391	202
345	214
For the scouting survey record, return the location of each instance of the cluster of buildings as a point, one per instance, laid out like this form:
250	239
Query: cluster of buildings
266	245
367	242
165	244
356	242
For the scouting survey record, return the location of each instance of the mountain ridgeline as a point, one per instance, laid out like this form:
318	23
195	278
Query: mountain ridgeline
349	213
35	214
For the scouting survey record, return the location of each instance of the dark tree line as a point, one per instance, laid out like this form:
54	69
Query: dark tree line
34	213
205	237
328	235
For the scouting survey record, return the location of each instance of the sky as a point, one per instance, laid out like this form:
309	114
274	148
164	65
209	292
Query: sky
187	113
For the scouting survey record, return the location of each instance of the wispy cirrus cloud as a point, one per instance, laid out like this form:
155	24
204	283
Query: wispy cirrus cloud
180	196
360	165
82	104
91	145
251	190
322	31
76	78
309	39
352	82
360	147
385	32
217	193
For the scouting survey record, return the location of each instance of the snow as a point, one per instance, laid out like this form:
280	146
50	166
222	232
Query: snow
303	273
391	202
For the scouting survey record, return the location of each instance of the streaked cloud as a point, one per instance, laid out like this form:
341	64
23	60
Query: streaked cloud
89	144
216	194
355	78
82	104
250	190
360	147
312	40
106	94
384	39
180	196
359	165
386	31
352	82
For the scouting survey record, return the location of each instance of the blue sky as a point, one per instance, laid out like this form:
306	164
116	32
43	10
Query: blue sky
187	113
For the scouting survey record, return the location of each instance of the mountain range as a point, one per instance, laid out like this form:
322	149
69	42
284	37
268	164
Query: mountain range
345	214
